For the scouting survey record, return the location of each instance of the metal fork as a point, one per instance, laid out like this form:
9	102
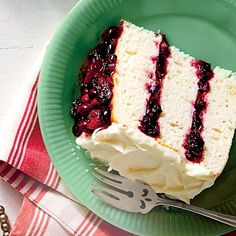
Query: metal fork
135	196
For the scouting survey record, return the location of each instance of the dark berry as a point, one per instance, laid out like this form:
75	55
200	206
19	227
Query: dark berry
95	103
94	124
76	130
94	113
83	86
106	114
111	33
94	54
203	86
84	91
91	110
110	82
108	50
196	122
149	126
85	99
92	93
83	125
104	94
93	84
83	108
194	143
149	123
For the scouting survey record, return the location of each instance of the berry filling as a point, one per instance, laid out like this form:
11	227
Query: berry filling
149	123
194	144
92	109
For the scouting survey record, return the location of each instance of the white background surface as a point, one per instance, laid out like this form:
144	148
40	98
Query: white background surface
25	27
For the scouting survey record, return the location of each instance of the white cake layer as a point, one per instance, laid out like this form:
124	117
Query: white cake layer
219	120
133	70
162	163
178	94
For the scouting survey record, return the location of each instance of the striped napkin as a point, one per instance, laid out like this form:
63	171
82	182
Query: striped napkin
48	207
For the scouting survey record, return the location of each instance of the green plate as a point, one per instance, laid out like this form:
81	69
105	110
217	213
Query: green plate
204	29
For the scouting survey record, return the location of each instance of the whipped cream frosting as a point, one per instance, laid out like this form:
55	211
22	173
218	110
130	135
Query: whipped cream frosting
140	157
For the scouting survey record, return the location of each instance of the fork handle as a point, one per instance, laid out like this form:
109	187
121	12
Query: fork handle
226	219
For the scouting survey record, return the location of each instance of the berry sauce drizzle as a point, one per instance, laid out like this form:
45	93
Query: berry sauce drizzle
92	109
149	123
194	143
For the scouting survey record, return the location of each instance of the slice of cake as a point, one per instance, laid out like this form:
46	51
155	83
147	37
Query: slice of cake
154	113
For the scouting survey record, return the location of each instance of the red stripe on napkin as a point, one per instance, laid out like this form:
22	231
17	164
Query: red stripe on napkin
36	151
26	215
24	127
